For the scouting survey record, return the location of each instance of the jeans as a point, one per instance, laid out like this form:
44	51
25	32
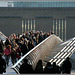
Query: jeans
7	57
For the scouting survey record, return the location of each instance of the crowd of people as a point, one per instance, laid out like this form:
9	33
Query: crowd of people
65	68
17	45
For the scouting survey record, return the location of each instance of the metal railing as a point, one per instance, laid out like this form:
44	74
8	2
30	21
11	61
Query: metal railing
2	36
67	51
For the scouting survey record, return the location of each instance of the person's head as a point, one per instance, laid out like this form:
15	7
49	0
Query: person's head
25	41
8	46
1	41
25	60
14	50
52	32
30	41
40	62
16	45
48	64
67	58
54	63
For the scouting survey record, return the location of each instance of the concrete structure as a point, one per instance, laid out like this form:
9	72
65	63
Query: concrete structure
59	18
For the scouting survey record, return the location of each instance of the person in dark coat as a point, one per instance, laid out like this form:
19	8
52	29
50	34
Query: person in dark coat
30	45
2	65
18	51
40	37
39	67
34	42
48	69
13	56
56	68
24	49
7	42
25	68
1	48
66	66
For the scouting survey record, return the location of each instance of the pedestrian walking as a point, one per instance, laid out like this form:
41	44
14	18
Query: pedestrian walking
7	53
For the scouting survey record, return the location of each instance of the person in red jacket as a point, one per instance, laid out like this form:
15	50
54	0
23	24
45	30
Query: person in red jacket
7	53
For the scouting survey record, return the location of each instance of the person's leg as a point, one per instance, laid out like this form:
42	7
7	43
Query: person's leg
6	58
12	61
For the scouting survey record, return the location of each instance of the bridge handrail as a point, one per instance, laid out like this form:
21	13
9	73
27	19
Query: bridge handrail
64	53
3	36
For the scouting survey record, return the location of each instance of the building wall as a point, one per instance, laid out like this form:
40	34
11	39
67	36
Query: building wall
10	25
11	20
